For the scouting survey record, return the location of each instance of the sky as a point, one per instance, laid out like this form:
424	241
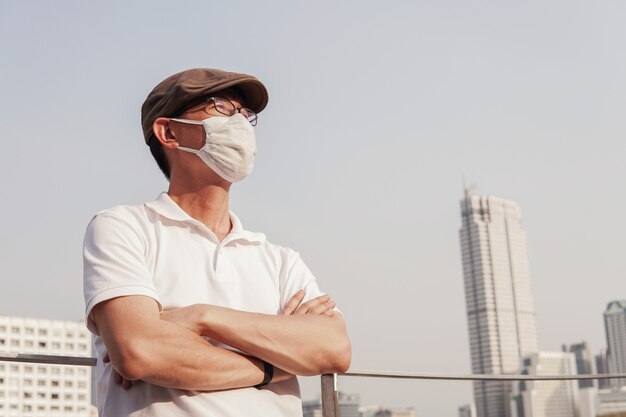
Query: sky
378	113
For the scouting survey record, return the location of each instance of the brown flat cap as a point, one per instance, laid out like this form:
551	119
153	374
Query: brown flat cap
184	89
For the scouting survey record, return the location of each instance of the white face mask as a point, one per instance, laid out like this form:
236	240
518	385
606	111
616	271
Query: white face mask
229	147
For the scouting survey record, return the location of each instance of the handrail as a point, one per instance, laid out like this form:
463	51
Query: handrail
48	359
479	377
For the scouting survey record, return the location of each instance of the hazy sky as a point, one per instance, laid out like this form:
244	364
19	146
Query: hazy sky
377	111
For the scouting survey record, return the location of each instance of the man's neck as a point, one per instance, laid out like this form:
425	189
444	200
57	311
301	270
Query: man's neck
207	204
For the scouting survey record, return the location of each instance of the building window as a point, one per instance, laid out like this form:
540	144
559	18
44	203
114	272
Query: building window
54	396
68	384
2	342
42	344
82	384
28	343
41	395
54	383
41	382
15	342
15	330
43	332
56	345
29	330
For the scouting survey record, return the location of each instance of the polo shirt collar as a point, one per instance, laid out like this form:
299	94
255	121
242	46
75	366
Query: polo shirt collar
166	207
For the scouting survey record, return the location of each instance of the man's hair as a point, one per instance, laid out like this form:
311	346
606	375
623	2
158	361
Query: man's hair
157	151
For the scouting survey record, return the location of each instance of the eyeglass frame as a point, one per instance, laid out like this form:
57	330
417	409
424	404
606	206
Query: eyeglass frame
212	99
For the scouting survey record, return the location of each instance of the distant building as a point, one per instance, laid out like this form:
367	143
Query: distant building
615	327
348	406
610	402
585	363
36	389
498	295
604	402
379	411
602	367
467	410
546	398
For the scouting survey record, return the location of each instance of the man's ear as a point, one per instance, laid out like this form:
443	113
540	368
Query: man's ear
163	132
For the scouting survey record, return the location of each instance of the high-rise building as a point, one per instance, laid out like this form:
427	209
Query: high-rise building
498	294
585	363
546	398
602	367
29	389
615	326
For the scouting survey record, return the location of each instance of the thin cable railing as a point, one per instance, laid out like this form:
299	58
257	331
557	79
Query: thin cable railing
329	383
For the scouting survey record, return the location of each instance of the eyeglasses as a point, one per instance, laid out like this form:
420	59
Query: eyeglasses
228	108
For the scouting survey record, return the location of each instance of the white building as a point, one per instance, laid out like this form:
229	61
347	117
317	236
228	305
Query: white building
498	295
615	325
602	402
29	389
546	398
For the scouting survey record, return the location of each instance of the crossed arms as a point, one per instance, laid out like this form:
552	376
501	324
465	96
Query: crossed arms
167	349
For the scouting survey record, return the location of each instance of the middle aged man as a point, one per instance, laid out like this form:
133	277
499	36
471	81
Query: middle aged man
193	315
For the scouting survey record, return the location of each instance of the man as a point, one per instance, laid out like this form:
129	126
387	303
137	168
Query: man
193	315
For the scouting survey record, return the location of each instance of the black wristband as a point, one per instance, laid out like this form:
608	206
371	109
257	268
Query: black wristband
268	369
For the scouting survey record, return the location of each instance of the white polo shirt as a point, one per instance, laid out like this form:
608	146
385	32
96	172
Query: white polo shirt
158	250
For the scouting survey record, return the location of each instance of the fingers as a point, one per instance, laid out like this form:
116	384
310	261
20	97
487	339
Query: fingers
304	308
322	308
291	305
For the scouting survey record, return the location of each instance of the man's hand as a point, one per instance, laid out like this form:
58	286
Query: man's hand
318	306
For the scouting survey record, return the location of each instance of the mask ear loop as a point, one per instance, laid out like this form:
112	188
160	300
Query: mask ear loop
189	122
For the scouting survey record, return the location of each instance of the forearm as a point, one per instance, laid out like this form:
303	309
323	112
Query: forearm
163	353
184	360
299	344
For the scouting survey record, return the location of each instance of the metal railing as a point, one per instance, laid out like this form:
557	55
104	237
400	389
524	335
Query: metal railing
329	382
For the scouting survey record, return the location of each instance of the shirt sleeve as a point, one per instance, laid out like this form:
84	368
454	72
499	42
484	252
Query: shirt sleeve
114	263
297	276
